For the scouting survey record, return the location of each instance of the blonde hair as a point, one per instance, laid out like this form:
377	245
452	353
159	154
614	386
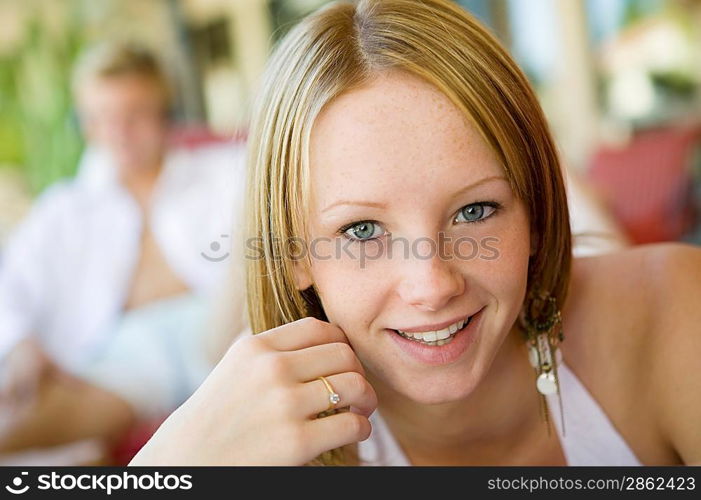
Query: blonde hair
114	59
340	47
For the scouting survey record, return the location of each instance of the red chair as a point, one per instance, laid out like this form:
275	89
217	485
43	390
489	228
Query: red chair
649	185
130	444
194	136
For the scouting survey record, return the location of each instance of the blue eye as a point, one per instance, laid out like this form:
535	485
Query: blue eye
476	212
362	231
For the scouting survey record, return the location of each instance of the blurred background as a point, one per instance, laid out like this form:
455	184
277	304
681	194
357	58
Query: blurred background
619	80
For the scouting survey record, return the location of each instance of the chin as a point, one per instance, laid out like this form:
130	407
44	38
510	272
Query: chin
438	389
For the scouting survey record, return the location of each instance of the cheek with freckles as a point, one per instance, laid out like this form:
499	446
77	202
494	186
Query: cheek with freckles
501	270
350	287
509	269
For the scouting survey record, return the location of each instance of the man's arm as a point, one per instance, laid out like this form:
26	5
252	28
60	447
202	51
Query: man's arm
68	409
25	278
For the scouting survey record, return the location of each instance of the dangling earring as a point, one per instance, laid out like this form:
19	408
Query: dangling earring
542	324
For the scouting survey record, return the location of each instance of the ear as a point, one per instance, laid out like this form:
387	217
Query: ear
303	275
534	243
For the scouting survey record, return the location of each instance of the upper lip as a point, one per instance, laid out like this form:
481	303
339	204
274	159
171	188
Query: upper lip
436	326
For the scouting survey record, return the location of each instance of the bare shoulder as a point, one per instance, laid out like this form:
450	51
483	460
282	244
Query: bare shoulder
674	346
635	324
648	283
609	304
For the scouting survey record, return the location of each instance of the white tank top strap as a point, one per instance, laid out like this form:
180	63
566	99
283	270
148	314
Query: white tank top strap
589	437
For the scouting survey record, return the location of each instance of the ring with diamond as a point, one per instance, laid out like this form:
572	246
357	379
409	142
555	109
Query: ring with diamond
334	398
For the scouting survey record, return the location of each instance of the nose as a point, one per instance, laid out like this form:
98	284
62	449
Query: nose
429	281
117	129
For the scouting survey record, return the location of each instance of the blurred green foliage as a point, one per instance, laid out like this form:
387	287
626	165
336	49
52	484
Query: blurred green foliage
38	130
286	13
638	10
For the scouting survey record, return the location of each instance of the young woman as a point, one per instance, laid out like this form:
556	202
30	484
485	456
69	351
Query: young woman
411	271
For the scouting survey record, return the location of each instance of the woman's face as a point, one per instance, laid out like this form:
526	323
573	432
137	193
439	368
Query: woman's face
413	230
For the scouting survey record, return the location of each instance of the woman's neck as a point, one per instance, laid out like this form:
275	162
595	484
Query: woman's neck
495	423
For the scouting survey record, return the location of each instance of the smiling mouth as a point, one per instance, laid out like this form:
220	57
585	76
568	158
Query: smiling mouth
438	337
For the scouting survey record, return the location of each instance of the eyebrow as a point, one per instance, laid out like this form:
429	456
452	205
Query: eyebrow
472	186
373	204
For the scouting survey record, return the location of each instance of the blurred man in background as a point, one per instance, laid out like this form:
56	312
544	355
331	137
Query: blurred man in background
105	286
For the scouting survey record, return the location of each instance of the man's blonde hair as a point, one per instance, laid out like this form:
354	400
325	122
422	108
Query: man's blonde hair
115	59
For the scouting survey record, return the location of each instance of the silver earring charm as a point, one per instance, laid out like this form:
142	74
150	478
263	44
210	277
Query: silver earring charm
542	324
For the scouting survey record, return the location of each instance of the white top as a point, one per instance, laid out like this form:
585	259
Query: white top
591	438
66	271
156	357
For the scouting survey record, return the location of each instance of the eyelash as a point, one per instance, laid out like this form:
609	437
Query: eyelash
493	204
344	229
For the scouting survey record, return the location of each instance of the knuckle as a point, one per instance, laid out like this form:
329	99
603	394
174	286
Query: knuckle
344	354
285	401
246	345
296	438
358	426
324	331
309	322
357	383
277	366
311	325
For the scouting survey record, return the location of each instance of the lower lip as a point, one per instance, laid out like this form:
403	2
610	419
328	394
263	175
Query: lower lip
440	354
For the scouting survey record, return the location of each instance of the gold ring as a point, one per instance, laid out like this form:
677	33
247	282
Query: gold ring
334	398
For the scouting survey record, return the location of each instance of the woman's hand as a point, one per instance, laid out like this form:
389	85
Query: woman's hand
259	405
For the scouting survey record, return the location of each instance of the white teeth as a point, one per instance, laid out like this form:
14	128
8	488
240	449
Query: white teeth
436	338
444	334
430	337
